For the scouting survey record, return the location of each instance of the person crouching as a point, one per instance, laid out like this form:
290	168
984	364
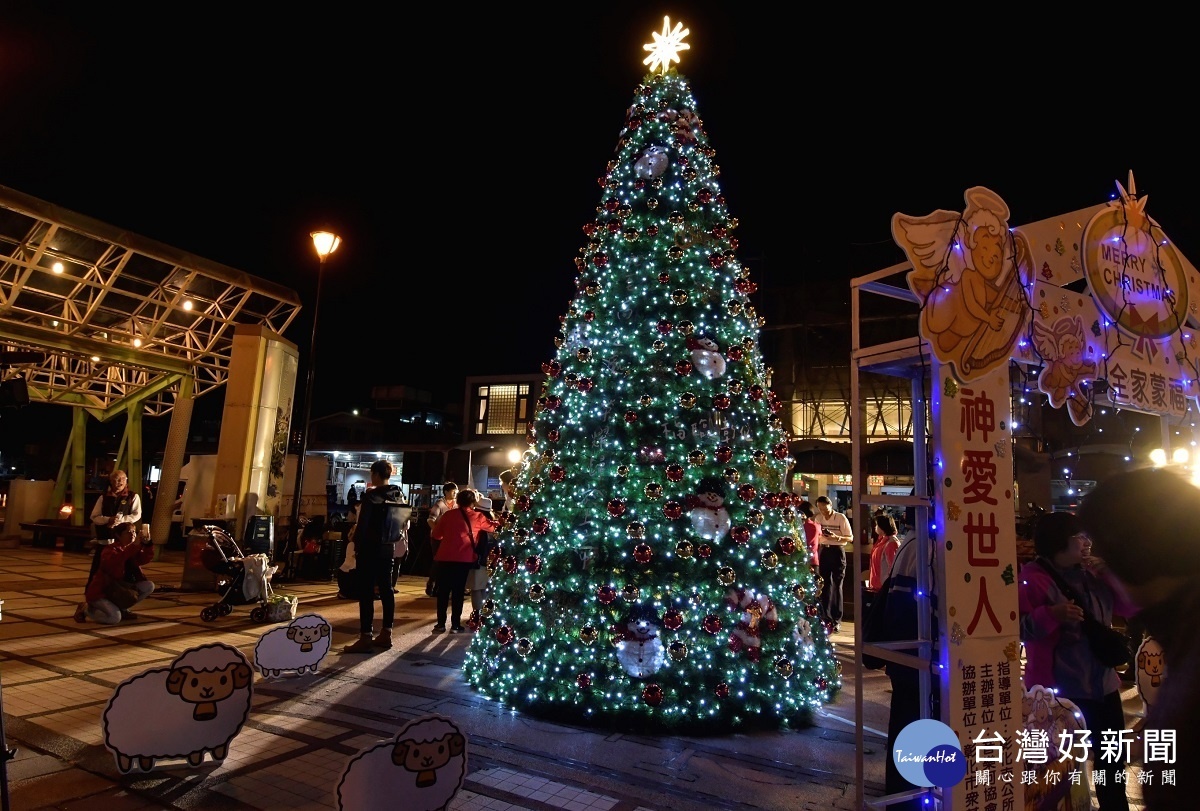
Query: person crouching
111	592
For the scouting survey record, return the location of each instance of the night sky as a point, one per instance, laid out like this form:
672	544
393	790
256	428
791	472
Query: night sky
457	150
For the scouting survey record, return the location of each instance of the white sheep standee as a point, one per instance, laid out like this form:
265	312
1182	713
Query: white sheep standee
421	769
298	646
199	704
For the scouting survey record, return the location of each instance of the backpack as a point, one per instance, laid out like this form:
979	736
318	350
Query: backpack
382	526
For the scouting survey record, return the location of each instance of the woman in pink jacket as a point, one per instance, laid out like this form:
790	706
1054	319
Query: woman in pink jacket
456	532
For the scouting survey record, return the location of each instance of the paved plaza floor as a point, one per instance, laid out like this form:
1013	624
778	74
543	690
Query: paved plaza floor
57	675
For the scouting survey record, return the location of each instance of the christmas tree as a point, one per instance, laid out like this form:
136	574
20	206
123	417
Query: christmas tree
653	569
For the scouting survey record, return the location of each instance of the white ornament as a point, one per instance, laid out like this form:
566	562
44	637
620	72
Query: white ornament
709	518
707	359
641	654
653	162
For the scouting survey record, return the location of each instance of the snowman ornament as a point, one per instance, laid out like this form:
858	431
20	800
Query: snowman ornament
640	652
709	517
706	356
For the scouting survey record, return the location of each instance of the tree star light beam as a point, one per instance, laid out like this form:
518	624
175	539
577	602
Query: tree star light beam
667	46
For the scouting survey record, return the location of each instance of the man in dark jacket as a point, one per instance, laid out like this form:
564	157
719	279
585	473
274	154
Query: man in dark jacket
382	518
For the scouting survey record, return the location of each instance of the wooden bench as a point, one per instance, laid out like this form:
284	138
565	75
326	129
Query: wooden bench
46	534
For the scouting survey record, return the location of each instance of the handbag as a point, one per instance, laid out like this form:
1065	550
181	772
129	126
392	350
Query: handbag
1108	644
480	557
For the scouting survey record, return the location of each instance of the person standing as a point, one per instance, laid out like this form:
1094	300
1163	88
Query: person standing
478	579
1143	524
812	531
117	505
118	560
382	516
883	554
1057	654
457	532
831	565
439	508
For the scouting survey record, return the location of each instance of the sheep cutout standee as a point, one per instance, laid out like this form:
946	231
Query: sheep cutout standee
1151	670
198	705
420	770
298	646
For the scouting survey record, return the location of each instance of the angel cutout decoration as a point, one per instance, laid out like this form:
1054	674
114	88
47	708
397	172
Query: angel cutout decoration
966	271
1062	347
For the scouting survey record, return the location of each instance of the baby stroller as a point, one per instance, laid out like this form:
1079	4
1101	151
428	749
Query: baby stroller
241	579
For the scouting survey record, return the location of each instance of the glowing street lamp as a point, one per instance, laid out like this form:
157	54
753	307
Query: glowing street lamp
325	243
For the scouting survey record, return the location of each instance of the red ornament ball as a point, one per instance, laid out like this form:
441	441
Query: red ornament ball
674	472
722	690
642	553
673	619
735	353
672	509
756	392
631	417
589	316
552	368
558	473
606	594
787	545
505	635
711	624
533	564
715	260
779	450
721	402
704	551
540	525
683	367
740	535
811	610
664	278
616	507
585	384
553	435
652	695
664	326
747	492
772	500
554	403
724	453
584	681
510	564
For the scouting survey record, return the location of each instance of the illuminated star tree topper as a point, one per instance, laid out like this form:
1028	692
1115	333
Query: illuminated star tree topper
666	46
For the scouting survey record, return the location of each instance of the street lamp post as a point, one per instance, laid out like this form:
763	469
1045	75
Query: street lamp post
325	243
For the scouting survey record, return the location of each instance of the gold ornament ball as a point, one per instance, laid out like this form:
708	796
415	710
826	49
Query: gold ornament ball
520	536
684	549
524	646
583	354
687	399
679	296
651	203
734	307
735	386
636	530
755	517
686	327
726	575
631	593
535	484
783	667
675	218
631	234
645	400
748	344
732	475
693	206
537	592
559	341
690	174
759	457
798	592
678	651
770	559
624	211
658	346
788	515
589	634
487	609
548	455
696	457
654	491
622	470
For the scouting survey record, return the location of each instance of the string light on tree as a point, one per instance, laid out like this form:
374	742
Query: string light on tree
672	589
